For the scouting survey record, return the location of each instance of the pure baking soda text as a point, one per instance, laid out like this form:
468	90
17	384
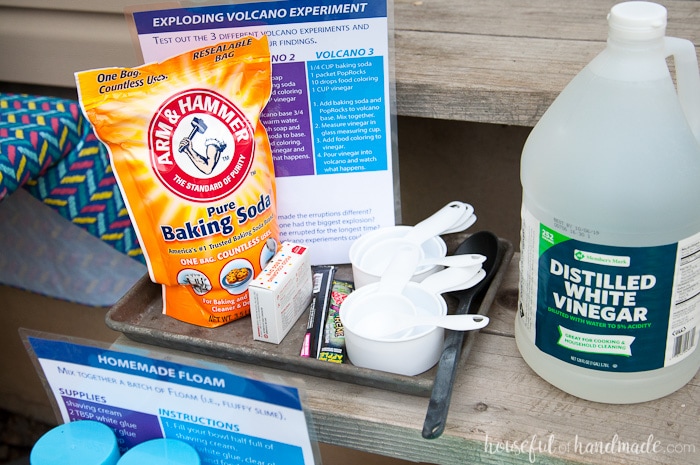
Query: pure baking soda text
194	166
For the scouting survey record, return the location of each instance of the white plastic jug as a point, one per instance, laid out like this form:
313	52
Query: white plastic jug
610	242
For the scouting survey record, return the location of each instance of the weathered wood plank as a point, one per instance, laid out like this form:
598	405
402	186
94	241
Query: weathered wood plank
544	19
502	412
501	62
497	61
483	79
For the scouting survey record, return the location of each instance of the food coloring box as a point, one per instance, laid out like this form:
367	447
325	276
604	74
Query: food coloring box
281	293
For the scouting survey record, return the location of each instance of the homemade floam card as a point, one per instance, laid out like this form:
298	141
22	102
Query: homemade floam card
228	419
330	115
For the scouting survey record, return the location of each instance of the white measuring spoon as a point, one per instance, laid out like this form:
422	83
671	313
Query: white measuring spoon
462	260
445	219
453	279
462	225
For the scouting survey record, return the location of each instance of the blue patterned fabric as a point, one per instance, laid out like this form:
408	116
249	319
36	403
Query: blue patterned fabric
48	147
35	132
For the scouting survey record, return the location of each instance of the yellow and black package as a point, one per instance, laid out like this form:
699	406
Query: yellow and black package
194	166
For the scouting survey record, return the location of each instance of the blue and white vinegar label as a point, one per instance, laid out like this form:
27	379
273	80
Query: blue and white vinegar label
609	308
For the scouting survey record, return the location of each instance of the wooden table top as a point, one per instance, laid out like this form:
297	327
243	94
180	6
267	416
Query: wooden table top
501	412
490	61
499	61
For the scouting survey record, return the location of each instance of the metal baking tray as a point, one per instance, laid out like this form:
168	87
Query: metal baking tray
138	315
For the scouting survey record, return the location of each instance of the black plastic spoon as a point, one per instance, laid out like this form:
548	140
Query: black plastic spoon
484	243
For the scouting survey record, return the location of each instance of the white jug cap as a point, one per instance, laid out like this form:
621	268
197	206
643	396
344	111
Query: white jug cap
637	21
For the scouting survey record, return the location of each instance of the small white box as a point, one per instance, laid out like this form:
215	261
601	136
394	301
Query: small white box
281	293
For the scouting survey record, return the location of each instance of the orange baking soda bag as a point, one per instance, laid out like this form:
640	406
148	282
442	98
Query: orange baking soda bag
193	162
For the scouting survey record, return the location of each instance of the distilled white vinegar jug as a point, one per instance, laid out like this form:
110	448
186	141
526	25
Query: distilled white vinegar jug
610	242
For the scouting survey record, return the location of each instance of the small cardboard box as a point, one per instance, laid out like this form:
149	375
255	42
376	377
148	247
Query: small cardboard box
281	293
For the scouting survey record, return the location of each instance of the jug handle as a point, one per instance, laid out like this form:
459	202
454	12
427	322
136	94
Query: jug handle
687	79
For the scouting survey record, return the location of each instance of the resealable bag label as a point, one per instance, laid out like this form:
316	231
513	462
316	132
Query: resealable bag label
194	166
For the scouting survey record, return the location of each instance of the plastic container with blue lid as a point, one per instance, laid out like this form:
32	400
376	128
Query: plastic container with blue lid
83	442
161	452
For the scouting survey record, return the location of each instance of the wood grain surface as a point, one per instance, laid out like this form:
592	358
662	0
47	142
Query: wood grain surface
499	61
501	412
502	61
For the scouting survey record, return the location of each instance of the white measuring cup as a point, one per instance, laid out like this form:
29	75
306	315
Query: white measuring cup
453	217
388	294
395	323
388	320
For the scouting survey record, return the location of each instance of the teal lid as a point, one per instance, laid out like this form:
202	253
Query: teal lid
83	442
161	452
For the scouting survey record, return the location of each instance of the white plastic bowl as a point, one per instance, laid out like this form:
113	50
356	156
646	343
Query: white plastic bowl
410	353
363	274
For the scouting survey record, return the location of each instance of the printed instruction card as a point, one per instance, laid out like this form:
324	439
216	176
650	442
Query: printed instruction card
329	118
228	419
